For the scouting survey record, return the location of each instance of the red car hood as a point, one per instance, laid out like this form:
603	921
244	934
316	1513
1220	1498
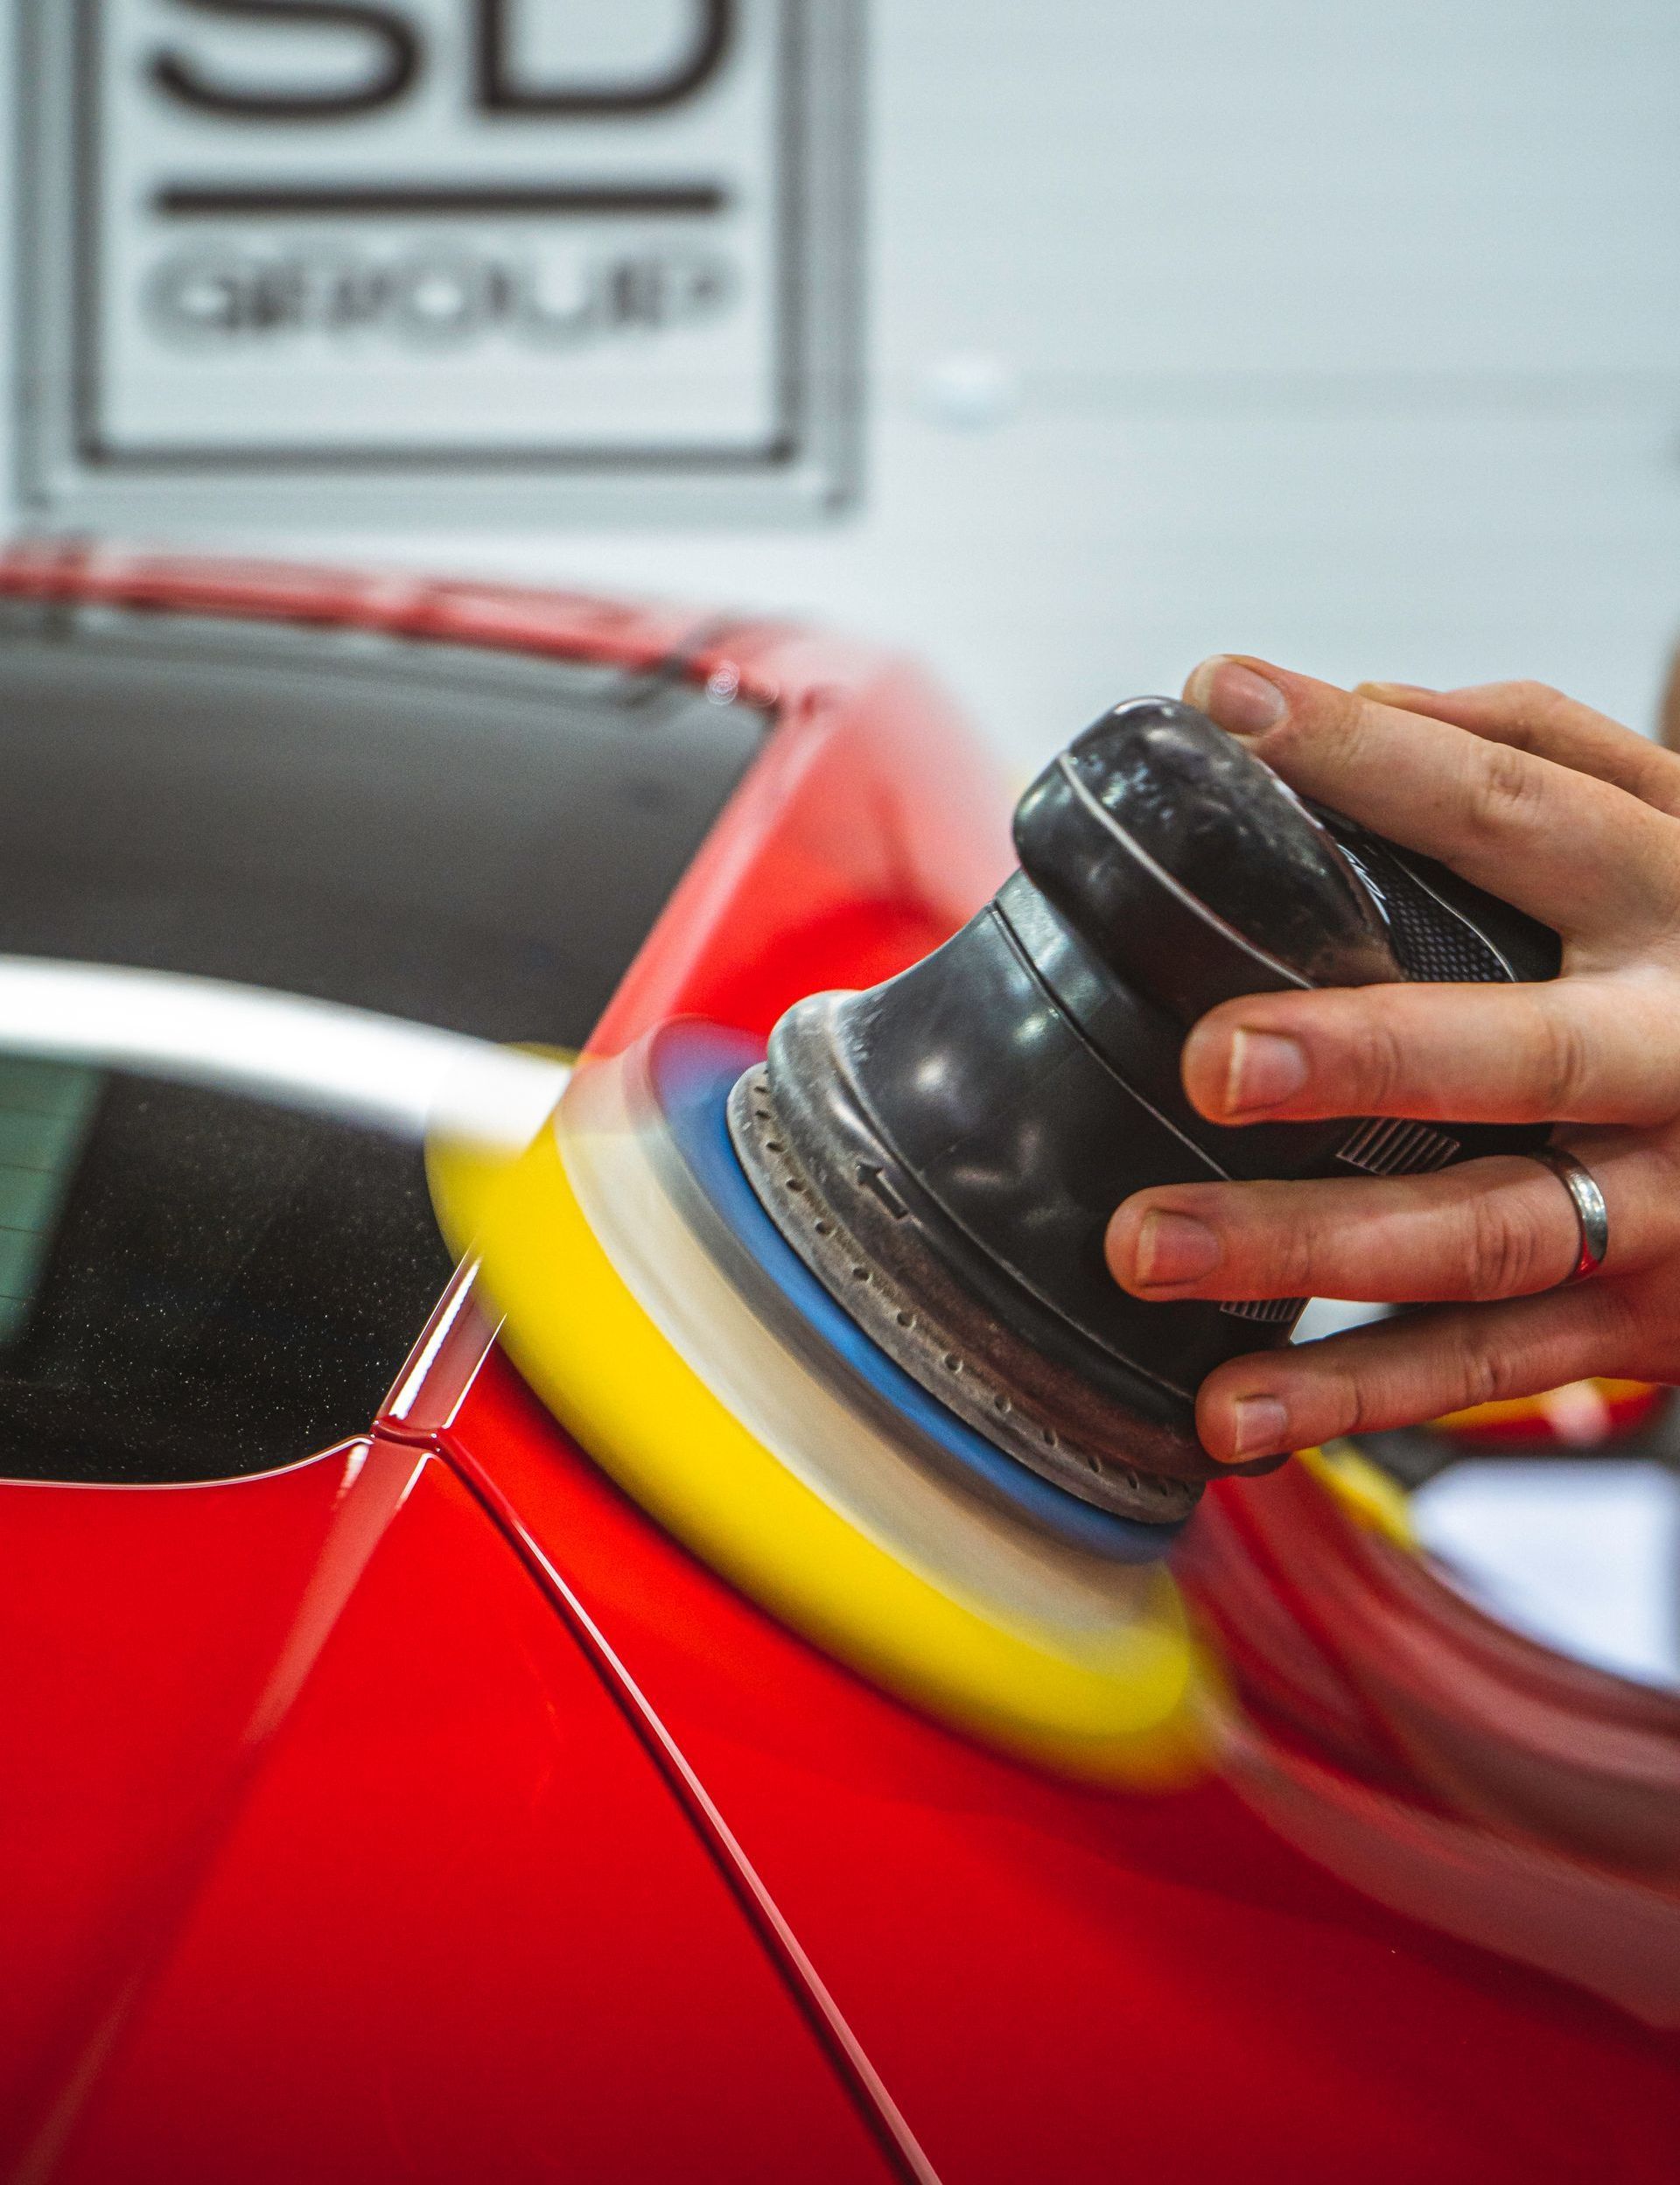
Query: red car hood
422	1810
328	1853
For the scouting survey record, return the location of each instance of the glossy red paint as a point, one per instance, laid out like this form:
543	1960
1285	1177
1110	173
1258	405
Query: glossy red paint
1053	1980
869	830
511	618
1451	1767
385	1881
424	1810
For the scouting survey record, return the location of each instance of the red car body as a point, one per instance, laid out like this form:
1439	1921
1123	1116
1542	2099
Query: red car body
422	1810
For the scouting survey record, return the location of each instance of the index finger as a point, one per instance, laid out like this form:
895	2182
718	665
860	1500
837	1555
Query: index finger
1578	853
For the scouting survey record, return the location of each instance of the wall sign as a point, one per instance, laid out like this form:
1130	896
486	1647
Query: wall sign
575	259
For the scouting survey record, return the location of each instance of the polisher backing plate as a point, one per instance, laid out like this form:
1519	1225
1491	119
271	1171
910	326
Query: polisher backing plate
809	1492
686	1073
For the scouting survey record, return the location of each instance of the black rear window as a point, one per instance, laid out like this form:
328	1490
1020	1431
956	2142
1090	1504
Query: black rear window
194	1283
472	839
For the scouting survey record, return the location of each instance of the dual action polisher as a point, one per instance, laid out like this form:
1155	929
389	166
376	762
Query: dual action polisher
839	1315
943	1151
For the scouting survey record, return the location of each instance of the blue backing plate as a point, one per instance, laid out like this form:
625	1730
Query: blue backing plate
694	1069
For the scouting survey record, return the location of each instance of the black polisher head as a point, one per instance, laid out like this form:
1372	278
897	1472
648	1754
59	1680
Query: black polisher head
944	1151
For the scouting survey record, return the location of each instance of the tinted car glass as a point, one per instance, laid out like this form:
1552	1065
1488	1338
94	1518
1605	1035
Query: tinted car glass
473	839
194	1283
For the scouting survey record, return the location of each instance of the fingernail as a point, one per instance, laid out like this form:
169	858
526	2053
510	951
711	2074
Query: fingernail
1266	1068
1235	698
1173	1248
1261	1425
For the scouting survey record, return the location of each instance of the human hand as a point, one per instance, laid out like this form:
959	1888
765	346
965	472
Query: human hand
1574	820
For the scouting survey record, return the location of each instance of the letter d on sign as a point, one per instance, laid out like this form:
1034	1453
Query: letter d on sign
501	91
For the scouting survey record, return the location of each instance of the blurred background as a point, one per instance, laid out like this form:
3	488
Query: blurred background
1340	333
1060	345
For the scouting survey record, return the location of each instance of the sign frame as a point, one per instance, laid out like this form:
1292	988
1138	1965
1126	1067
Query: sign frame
70	475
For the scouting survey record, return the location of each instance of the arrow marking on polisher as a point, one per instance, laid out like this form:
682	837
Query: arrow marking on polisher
874	1179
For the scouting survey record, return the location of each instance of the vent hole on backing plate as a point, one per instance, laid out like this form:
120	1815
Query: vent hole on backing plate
1000	1403
1132	1480
1049	1437
953	1363
822	1229
793	1184
860	1274
905	1319
772	1145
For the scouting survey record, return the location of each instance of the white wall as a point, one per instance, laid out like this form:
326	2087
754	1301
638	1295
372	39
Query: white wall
1342	332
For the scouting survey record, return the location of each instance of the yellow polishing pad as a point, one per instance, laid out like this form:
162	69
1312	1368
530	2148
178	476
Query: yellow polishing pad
631	1331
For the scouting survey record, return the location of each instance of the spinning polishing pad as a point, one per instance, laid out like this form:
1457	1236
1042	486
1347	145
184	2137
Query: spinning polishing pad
654	1308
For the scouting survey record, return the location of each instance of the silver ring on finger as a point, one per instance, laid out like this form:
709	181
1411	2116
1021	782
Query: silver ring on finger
1592	1215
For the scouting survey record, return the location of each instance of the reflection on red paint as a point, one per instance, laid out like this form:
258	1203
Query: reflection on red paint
334	1847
